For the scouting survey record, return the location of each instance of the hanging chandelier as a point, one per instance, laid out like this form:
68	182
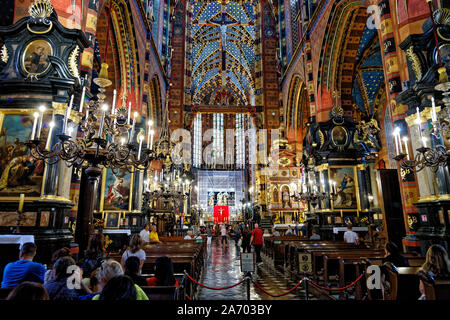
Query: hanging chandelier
109	138
433	155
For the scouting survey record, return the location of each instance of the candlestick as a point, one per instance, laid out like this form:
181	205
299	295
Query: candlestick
433	111
21	201
141	138
113	109
82	99
405	140
129	113
41	116
33	131
102	122
67	114
51	125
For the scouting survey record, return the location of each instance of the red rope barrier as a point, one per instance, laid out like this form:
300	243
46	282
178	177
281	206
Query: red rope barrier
204	286
277	295
337	289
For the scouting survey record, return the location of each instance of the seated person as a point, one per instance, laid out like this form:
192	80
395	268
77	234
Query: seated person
198	236
351	236
189	236
393	255
92	284
132	270
275	233
109	270
163	273
436	267
289	231
27	291
58	288
63	252
23	269
154	235
119	288
314	235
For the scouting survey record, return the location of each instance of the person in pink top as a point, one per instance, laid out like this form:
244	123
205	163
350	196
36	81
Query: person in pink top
257	240
223	232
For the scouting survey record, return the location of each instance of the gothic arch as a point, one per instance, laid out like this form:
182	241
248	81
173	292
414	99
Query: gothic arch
155	109
297	111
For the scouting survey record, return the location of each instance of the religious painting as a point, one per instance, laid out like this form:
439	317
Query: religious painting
345	187
45	218
19	171
339	136
221	198
11	219
112	220
35	57
116	192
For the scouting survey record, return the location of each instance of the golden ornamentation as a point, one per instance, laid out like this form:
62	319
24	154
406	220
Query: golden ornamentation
72	62
442	16
321	138
4	54
411	220
415	62
404	172
108	241
59	107
41	9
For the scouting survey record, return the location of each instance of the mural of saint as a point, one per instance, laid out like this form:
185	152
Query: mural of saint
36	57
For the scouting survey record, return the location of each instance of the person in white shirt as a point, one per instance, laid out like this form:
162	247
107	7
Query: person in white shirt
350	236
275	233
145	233
188	236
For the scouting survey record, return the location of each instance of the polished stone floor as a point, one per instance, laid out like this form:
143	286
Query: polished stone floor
222	269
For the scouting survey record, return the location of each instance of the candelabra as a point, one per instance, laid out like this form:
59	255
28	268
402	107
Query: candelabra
432	157
312	193
107	137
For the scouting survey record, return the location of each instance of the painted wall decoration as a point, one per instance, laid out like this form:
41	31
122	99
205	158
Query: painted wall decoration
346	186
35	57
117	190
19	171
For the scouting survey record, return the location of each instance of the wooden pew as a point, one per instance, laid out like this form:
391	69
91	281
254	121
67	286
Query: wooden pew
162	293
437	289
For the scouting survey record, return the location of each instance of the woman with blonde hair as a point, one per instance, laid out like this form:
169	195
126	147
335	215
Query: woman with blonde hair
134	250
436	266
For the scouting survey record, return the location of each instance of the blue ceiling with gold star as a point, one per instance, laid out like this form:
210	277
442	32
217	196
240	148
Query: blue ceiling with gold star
223	54
369	76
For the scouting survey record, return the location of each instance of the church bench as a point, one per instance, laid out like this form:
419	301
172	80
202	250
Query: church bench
163	292
437	289
414	261
331	259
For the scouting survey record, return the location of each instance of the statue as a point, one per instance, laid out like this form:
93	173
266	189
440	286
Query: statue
367	134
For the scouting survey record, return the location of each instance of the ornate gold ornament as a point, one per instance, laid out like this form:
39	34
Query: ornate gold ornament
4	54
40	11
72	62
415	62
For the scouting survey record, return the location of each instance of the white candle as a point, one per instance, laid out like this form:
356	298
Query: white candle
141	138
396	134
151	139
405	140
41	116
102	122
134	125
433	111
33	131
424	142
129	113
113	110
66	116
82	99
51	125
150	123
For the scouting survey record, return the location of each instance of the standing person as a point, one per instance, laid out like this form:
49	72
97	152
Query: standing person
209	235
134	250
23	269
296	229
257	241
246	236
223	232
237	236
145	234
350	236
154	235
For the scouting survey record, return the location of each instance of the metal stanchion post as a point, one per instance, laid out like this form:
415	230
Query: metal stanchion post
248	278
305	281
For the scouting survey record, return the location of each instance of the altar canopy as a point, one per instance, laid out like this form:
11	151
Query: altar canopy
221	214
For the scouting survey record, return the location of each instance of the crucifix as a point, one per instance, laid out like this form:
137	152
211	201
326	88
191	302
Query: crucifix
223	25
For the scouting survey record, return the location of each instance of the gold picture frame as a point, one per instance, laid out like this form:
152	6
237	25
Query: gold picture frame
35	57
103	198
347	201
112	220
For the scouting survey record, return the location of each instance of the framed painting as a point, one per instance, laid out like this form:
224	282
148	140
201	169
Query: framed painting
339	136
19	171
346	188
35	57
112	220
116	190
